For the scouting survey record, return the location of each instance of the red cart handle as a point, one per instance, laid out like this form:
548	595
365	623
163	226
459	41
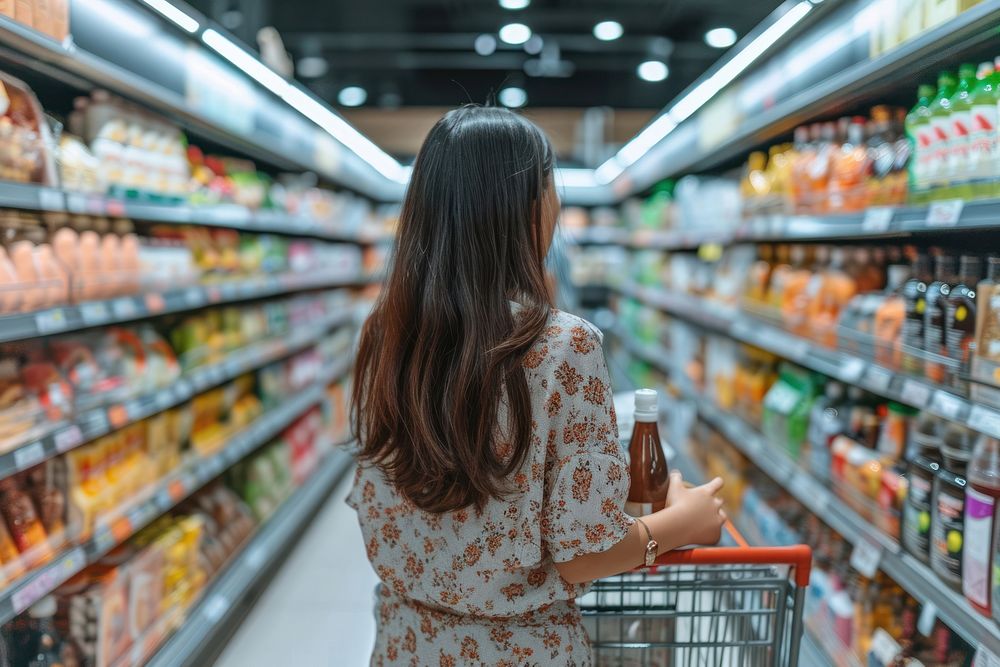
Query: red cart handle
798	556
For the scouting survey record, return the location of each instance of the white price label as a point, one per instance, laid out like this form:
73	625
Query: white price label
94	312
877	219
947	405
884	647
164	399
50	321
985	420
851	369
877	379
50	200
182	388
985	658
255	557
76	203
915	393
925	624
68	438
124	308
194	297
945	213
865	558
29	455
215	608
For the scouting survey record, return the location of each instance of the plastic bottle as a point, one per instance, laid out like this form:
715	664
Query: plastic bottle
647	463
849	169
980	519
960	315
937	292
921	473
960	105
939	112
988	313
827	419
983	135
915	298
918	132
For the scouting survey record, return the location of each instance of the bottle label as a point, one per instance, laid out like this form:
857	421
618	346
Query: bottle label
638	509
948	536
917	516
938	164
983	138
958	145
976	565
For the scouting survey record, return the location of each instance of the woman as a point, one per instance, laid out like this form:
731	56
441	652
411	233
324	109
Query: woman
491	483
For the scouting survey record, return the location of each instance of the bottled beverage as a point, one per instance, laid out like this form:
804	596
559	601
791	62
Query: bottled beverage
980	520
881	157
988	313
921	473
890	315
918	132
800	156
939	112
849	169
915	299
983	135
647	463
937	292
960	314
960	106
827	420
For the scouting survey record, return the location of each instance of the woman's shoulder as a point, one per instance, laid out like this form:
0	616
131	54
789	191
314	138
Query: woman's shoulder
567	326
566	338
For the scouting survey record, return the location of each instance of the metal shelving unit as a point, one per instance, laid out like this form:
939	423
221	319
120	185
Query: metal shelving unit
166	494
914	576
843	366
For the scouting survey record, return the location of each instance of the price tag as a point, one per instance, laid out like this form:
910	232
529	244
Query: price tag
865	558
68	438
925	624
255	557
183	389
117	415
50	321
155	302
164	399
915	393
194	297
142	515
121	530
215	608
115	208
947	405
851	369
76	203
124	308
985	420
877	379
94	312
45	581
96	422
29	455
50	200
135	410
945	213
884	647
877	219
177	490
986	658
214	294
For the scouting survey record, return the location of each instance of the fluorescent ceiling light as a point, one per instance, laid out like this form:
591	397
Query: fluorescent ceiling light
485	45
352	96
515	33
720	38
653	71
174	15
609	171
514	4
136	24
263	74
575	178
513	97
608	31
649	137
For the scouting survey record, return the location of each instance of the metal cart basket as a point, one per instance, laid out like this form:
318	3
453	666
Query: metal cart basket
713	607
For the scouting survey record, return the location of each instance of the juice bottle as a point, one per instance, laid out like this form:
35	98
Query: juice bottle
983	135
881	156
837	288
937	292
827	420
890	315
988	313
960	314
802	152
980	518
960	106
647	463
818	171
918	132
794	288
849	169
939	112
915	298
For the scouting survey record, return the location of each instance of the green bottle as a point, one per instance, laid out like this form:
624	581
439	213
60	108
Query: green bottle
917	127
960	117
983	132
939	110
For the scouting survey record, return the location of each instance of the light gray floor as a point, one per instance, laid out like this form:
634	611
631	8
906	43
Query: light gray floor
318	608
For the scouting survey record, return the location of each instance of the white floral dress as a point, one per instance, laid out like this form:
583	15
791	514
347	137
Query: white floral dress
468	588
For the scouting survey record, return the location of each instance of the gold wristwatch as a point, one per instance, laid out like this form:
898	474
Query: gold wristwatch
651	545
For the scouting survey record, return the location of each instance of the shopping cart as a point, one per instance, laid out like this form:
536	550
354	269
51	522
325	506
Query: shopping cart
714	607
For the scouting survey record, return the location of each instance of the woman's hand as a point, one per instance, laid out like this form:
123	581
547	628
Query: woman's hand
699	509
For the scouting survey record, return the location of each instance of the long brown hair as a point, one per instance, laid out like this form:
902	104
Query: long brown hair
443	349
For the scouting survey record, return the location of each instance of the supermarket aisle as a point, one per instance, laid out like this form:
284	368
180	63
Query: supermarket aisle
318	606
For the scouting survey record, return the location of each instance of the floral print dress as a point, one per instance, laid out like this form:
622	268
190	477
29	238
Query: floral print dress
481	588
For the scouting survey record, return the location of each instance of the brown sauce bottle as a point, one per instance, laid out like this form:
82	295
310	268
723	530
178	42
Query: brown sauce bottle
647	462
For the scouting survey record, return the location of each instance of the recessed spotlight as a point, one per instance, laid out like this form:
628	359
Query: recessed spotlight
513	97
653	70
720	38
515	33
311	67
352	96
485	45
514	4
608	31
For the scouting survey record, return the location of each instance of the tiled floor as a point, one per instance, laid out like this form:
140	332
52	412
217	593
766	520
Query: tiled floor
318	608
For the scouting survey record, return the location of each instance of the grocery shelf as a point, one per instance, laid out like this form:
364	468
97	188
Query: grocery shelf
914	576
100	421
163	496
210	621
40	198
64	319
840	365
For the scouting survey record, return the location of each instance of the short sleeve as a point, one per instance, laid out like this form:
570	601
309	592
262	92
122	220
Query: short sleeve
586	477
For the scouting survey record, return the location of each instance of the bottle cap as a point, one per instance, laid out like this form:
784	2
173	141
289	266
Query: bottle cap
646	401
